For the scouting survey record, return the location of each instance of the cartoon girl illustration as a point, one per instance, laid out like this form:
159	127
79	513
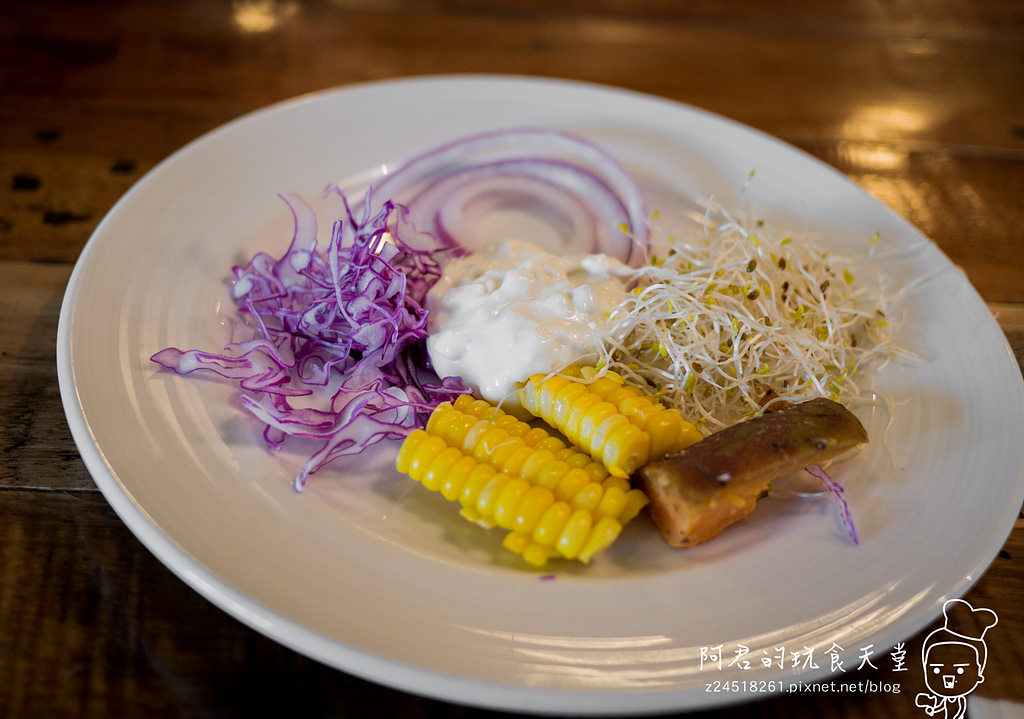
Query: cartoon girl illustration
954	658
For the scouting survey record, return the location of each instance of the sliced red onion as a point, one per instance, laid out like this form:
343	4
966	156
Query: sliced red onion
837	492
594	177
572	203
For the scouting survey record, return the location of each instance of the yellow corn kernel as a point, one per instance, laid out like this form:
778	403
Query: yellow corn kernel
640	410
574	534
517	459
408	448
505	450
516	542
578	460
472	437
623	393
604	386
572	457
482	409
489	441
505	421
613	425
563	401
530	401
550	475
537	462
576	414
488	498
441	413
517	428
498	453
597	471
612	504
670	433
589	497
550	443
455	480
566	453
495	446
604	532
439	467
521	543
635	501
571	483
479	408
454	430
691	435
593	417
614	481
547	393
424	454
462	401
535	435
531	508
665	430
550	525
579	371
626	446
507	504
475	483
536	555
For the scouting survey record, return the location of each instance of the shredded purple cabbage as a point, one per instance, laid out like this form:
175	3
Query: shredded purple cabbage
837	491
343	330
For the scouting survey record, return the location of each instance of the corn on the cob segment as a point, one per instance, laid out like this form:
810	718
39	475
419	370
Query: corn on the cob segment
487	434
614	422
553	499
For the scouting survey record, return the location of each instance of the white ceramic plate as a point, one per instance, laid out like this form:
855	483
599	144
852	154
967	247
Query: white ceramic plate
370	573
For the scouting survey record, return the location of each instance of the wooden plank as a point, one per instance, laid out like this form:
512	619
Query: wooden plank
94	626
967	202
35	443
811	76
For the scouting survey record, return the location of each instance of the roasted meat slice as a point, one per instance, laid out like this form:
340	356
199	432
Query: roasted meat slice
700	491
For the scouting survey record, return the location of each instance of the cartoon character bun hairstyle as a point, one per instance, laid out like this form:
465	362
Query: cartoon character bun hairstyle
963	623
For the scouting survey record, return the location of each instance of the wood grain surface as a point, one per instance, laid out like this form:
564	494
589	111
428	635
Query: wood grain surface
921	102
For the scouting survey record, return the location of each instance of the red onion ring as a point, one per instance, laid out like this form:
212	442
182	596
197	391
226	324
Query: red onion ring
584	214
586	177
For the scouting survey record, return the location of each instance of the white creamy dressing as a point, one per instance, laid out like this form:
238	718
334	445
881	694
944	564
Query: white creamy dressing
504	313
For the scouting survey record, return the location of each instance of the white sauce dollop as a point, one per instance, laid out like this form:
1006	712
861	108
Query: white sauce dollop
507	312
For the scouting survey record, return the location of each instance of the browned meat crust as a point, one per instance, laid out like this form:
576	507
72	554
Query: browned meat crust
702	490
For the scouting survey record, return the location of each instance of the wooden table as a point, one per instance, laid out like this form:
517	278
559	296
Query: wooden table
920	102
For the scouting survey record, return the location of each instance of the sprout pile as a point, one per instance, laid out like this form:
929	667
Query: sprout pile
735	317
